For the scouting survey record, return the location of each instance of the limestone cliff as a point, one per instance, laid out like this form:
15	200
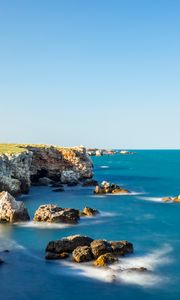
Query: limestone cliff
18	170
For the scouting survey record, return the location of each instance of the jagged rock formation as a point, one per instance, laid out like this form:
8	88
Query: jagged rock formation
85	249
12	211
107	188
19	170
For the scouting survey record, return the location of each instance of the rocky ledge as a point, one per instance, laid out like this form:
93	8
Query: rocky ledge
31	163
107	188
84	249
53	214
12	211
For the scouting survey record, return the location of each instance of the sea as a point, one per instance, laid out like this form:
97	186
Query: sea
140	217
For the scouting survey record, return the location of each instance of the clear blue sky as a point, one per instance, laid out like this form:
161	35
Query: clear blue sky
92	72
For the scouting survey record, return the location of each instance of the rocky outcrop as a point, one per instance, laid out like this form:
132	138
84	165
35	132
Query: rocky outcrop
107	188
54	214
88	211
90	182
85	249
40	165
12	211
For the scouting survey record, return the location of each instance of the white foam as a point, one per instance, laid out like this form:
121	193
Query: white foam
154	199
118	272
43	225
8	244
104	167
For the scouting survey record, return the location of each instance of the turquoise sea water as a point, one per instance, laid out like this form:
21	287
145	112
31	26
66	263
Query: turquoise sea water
152	226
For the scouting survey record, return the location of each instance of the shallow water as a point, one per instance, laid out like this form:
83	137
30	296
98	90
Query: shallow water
142	218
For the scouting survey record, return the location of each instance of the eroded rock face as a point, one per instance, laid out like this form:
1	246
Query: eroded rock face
12	211
39	165
100	247
54	214
82	254
15	172
107	188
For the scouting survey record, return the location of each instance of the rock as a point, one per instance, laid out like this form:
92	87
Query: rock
54	214
105	260
121	247
51	255
107	188
90	182
99	247
1	261
45	181
35	162
82	254
69	177
57	185
68	244
168	199
136	269
88	211
11	210
177	199
60	189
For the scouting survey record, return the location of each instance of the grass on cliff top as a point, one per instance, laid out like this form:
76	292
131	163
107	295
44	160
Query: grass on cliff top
19	148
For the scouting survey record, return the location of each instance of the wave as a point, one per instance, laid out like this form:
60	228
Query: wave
104	167
8	244
119	272
154	199
43	225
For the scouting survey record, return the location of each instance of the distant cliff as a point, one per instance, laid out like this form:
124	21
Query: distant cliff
22	165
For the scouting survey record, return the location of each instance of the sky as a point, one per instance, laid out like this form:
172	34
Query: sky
99	73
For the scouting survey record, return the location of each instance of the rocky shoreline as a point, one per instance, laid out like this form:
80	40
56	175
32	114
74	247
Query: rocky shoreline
18	171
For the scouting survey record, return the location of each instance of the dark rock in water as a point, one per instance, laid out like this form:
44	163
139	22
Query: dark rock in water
57	190
6	251
45	181
51	255
54	214
72	183
90	182
122	247
12	211
88	211
99	247
82	254
107	188
1	261
105	260
57	185
68	244
137	269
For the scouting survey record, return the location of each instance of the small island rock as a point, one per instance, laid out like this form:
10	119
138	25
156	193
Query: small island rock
105	260
82	254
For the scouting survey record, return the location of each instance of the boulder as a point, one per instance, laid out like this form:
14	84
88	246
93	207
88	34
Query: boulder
45	181
88	211
12	211
68	244
121	247
70	177
54	214
1	261
90	182
105	260
107	188
82	254
99	247
177	199
168	199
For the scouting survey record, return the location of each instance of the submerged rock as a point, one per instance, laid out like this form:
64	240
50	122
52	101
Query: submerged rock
105	260
45	181
90	182
57	190
11	210
54	214
137	269
107	188
82	254
88	211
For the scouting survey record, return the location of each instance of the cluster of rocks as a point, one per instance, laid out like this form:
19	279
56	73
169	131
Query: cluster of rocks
12	211
54	214
85	249
107	188
43	165
171	199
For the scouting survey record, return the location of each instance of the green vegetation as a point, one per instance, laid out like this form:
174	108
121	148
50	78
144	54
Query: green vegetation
17	148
